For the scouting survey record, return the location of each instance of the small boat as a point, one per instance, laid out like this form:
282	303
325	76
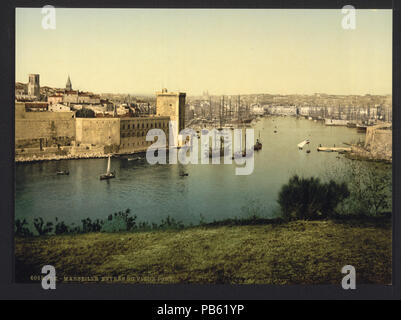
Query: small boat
108	174
184	175
303	144
258	144
63	173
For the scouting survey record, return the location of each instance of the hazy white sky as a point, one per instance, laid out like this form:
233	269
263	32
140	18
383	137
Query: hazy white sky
223	51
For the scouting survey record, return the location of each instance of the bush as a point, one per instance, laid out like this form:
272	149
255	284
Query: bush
310	199
21	228
42	228
371	190
85	113
61	228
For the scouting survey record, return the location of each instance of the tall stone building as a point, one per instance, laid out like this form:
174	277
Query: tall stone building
68	85
172	104
34	86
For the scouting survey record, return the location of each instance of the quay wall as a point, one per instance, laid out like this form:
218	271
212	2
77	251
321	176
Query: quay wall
379	140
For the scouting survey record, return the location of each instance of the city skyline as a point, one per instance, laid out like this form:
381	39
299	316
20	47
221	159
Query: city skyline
138	51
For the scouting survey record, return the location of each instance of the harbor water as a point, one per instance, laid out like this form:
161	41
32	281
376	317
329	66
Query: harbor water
208	192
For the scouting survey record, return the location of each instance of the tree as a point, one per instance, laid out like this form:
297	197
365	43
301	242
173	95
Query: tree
310	199
85	113
371	189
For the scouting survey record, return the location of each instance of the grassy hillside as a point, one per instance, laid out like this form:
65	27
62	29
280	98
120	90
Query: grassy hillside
299	252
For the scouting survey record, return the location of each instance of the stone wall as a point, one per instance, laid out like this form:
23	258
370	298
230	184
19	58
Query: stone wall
379	141
43	129
93	131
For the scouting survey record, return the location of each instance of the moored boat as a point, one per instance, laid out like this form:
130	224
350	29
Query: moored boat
303	144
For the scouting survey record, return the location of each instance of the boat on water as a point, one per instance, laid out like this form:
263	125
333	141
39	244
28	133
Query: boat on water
63	173
258	144
303	144
108	174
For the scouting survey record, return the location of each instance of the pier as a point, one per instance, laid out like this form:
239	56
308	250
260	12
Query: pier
334	149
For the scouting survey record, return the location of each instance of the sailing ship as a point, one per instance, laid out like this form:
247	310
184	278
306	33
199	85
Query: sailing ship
108	174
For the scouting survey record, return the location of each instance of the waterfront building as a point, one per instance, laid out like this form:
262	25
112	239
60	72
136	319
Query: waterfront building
133	132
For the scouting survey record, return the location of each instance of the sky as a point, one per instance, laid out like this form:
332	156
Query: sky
223	51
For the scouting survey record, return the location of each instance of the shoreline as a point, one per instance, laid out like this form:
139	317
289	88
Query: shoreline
72	157
361	154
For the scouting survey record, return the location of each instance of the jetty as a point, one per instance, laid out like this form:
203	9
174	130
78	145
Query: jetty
334	149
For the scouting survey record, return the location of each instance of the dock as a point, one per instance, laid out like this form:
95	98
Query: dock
334	149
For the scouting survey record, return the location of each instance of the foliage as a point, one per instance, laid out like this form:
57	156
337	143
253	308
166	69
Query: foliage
21	228
91	226
61	228
42	228
370	187
85	113
310	199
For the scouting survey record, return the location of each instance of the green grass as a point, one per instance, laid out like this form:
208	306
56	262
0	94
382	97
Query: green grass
300	252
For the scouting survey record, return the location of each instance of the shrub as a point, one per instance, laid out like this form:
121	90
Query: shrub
21	228
85	113
89	226
371	190
42	228
310	199
61	228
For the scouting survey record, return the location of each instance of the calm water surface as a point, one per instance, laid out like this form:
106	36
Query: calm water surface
154	192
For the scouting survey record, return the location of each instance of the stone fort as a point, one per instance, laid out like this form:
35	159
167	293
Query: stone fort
42	134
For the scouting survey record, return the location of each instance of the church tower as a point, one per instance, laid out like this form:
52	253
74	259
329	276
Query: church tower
68	85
